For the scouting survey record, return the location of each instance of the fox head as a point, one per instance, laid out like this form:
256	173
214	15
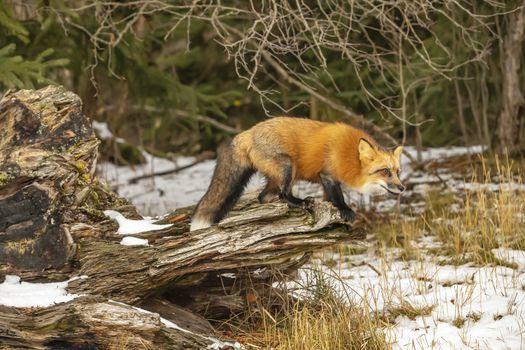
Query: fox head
379	169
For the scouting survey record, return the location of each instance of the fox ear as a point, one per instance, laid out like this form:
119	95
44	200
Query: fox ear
366	151
397	151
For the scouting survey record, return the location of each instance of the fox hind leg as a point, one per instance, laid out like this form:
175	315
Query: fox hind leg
279	172
271	189
286	182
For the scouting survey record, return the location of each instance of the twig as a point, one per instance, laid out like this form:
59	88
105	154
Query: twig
374	269
180	113
200	159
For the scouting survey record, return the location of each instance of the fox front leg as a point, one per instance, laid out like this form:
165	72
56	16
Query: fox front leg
334	194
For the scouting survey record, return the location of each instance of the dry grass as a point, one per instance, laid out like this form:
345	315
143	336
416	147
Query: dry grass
466	225
402	232
405	308
122	343
324	322
328	325
487	220
487	214
321	319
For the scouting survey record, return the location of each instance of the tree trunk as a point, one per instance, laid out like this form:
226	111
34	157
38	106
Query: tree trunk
52	227
47	156
513	99
94	323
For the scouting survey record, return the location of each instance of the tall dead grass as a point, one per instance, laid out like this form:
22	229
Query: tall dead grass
315	315
324	319
484	214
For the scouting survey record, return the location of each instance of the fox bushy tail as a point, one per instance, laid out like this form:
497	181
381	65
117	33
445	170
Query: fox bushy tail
232	173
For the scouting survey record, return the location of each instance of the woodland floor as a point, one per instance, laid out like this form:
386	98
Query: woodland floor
433	266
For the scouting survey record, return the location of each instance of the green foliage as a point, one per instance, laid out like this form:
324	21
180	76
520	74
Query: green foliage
16	72
12	26
154	89
18	68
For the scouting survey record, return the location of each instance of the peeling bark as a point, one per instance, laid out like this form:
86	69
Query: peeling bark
44	140
253	236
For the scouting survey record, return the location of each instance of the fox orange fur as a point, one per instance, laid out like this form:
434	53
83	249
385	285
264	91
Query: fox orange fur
285	150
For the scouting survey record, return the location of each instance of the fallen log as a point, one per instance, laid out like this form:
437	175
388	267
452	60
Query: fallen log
53	227
94	323
253	236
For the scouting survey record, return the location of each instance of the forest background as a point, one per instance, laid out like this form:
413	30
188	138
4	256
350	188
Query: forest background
180	77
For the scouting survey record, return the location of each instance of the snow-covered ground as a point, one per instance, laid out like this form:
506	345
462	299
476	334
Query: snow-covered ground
159	194
470	307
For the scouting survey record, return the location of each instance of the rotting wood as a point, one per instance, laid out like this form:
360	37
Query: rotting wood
48	153
92	323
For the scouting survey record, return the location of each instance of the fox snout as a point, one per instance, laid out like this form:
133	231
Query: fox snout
380	186
394	185
380	170
396	189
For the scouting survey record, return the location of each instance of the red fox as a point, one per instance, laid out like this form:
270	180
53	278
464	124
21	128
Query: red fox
286	149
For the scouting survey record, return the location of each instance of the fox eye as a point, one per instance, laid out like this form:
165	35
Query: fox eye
387	172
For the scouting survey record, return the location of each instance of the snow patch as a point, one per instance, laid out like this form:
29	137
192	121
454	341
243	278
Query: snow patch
439	152
510	255
489	301
134	241
15	293
131	227
102	130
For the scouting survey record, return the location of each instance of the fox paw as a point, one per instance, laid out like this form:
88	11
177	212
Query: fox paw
347	214
308	203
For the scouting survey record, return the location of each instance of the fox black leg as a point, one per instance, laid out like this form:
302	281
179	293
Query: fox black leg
333	191
286	190
263	195
269	190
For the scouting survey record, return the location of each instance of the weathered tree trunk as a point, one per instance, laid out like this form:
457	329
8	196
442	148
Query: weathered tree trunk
513	99
95	323
52	227
47	153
